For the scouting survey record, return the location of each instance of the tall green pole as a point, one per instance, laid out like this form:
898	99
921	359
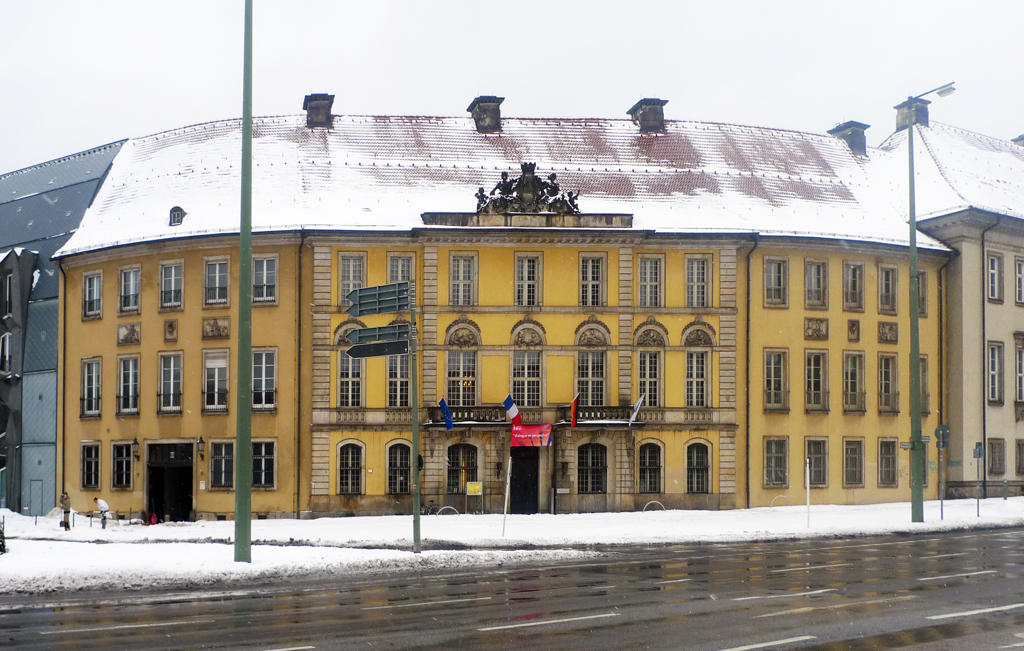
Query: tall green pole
916	444
414	398
243	409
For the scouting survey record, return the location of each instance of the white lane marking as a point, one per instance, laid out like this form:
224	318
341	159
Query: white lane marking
1011	646
673	581
811	567
762	645
120	627
293	648
955	576
547	621
601	587
945	555
783	596
980	611
808	609
427	603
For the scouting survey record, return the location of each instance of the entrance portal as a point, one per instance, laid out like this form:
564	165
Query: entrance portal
524	489
170	481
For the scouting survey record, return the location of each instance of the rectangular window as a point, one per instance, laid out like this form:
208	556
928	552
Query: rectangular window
399	469
590	377
888	467
91	387
1020	456
526	377
994	277
853	462
463	279
350	380
650	281
399	268
170	383
1019	374
697	379
649	376
128	385
591	280
222	465
776	390
698	281
172	281
122	456
6	341
216	282
853	382
887	295
775	275
853	286
215	380
592	469
996	456
398	380
91	465
461	378
92	295
815	283
817	452
527	278
351	276
264	279
8	294
1018	280
264	379
816	380
994	372
888	396
263	464
776	462
129	295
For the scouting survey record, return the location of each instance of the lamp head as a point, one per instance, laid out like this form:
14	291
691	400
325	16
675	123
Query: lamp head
946	90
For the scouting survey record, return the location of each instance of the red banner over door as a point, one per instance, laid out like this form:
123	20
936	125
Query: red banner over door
534	436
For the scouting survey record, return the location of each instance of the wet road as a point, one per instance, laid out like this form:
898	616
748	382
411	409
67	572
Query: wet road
942	591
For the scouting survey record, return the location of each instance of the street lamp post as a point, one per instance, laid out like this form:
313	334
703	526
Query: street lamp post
916	444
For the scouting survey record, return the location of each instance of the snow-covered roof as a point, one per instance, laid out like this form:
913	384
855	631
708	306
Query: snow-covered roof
382	172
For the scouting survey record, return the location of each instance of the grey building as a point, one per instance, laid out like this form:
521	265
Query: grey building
40	208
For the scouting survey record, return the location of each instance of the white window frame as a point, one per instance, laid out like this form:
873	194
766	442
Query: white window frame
1019	373
264	383
1018	277
351	274
591	377
463	273
888	387
853	286
888	289
398	381
815	283
776	379
265	277
650	272
129	285
527	378
396	262
215	369
994	276
92	295
461	377
528	281
698	379
698	280
649	365
815	374
92	387
776	281
350	381
172	272
128	379
994	372
853	383
591	277
171	369
220	275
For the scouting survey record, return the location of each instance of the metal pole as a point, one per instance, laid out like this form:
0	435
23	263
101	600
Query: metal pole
978	461
916	445
508	482
942	489
414	398
243	402
807	488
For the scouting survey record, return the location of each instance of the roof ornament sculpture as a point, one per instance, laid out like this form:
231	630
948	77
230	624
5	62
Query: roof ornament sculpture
527	193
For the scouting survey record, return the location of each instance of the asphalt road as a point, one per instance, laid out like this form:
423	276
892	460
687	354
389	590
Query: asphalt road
941	591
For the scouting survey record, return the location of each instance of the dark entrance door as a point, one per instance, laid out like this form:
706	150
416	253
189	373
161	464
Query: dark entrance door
524	488
170	481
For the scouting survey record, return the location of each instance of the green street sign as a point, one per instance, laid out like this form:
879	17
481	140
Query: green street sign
942	436
383	333
379	299
378	349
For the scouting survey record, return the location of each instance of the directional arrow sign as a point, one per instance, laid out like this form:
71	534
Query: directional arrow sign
359	351
379	299
384	333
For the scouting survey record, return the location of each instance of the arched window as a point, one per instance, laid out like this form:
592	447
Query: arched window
462	339
650	468
592	468
461	467
399	464
350	469
698	468
590	364
650	345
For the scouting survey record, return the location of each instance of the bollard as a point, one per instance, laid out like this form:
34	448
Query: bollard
1004	490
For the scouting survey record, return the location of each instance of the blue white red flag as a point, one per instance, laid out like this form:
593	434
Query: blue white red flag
512	411
446	413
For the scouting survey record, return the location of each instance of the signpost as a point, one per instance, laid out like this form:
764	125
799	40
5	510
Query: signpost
979	456
941	442
398	339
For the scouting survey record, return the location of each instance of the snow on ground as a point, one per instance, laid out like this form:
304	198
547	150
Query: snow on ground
42	557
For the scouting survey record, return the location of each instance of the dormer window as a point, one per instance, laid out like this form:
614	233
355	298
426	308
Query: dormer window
177	216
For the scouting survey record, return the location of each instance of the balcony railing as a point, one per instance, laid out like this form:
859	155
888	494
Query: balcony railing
215	401
816	400
889	402
776	400
854	401
168	403
127	405
216	295
128	302
91	307
264	400
170	298
264	293
90	407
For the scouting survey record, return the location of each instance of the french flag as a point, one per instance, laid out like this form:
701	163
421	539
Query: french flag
512	411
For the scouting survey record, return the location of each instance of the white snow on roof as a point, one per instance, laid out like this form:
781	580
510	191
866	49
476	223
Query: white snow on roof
382	173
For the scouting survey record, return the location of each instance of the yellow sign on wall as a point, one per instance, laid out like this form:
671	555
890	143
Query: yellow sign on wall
474	488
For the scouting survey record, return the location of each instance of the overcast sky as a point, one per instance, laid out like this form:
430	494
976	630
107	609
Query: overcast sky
79	73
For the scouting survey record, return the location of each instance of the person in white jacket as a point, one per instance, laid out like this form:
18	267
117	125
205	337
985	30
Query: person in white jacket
103	507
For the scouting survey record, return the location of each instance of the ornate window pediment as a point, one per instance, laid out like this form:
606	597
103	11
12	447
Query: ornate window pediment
698	334
463	332
650	334
528	333
592	332
341	332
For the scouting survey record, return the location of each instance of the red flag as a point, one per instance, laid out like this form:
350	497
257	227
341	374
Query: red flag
573	408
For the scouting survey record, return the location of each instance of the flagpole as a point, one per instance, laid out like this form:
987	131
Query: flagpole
508	482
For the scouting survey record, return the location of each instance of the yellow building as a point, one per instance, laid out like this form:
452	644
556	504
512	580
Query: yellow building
150	353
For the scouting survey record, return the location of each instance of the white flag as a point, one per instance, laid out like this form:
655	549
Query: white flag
636	409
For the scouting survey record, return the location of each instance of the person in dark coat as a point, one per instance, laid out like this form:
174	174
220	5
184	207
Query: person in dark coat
65	505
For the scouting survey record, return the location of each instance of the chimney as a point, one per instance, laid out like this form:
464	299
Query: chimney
318	110
1019	140
853	133
920	108
486	111
649	113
